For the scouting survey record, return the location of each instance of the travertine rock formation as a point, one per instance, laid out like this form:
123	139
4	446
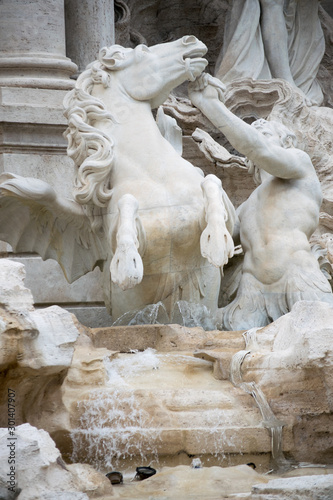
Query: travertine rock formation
291	361
37	347
40	472
294	367
209	483
108	402
305	488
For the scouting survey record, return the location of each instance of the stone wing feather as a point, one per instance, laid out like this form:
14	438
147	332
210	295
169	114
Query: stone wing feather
34	218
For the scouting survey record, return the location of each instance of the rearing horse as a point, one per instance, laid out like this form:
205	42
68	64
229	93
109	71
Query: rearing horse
154	225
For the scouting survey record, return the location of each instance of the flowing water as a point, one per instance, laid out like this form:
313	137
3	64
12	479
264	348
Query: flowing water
124	422
115	427
273	425
113	424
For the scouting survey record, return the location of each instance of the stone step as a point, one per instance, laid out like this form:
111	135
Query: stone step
223	446
164	338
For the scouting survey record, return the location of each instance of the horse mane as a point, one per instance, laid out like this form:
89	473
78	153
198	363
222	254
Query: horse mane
91	149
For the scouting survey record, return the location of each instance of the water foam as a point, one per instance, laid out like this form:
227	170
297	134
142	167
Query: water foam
113	425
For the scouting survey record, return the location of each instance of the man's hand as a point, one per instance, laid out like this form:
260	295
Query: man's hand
205	88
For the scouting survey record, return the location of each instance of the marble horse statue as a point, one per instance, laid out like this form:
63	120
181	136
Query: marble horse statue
155	226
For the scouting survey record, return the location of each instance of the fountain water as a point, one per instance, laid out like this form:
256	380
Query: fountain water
113	425
155	405
274	425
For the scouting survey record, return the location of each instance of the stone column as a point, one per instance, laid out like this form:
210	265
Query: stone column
34	78
33	45
89	27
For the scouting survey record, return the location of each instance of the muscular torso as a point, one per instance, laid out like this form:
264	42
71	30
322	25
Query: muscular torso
276	223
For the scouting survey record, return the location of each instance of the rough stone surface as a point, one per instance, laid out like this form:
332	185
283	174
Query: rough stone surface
36	340
294	367
91	482
40	471
296	488
14	295
36	351
163	338
183	482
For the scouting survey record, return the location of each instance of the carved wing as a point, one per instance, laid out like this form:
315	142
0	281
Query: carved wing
34	218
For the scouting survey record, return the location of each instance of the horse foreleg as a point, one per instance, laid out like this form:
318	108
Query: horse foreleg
126	265
216	243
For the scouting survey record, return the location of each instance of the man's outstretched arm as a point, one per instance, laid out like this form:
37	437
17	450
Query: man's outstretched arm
206	93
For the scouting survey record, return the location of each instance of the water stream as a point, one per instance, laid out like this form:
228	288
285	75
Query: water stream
113	424
113	427
125	422
273	425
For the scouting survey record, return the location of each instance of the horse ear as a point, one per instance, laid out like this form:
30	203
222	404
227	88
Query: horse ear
112	57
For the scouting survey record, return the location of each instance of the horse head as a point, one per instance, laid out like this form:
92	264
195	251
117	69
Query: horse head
119	79
151	73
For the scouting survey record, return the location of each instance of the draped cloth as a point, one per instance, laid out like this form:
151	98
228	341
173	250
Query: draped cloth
243	53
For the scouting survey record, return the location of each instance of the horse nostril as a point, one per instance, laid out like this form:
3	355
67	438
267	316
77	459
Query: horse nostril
188	39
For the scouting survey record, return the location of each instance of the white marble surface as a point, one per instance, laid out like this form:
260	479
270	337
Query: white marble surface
139	206
33	45
265	39
275	222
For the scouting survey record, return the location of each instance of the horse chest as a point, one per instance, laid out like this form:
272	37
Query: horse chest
172	236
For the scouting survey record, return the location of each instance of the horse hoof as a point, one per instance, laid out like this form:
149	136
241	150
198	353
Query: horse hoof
216	245
126	268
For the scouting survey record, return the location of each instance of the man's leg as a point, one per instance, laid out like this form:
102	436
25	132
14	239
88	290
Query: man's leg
275	38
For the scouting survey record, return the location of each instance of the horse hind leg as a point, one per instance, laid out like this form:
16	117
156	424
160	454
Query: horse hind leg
126	265
216	243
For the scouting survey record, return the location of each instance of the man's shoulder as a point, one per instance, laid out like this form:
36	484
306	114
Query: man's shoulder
303	161
297	153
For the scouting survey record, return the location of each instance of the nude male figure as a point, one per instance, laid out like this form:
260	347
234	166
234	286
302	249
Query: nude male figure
276	221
